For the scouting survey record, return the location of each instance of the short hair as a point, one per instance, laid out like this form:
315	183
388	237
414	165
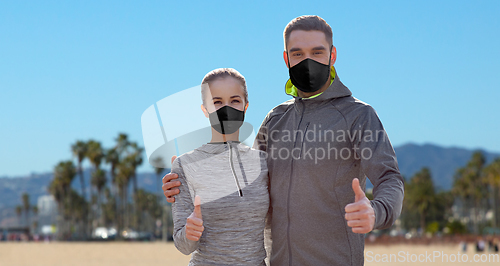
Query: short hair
308	23
221	73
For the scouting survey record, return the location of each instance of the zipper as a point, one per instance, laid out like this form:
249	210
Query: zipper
303	138
290	185
240	192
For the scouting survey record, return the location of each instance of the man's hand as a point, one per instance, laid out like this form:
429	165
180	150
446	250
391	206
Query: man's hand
170	185
360	215
194	223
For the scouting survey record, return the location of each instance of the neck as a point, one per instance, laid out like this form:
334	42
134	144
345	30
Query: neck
302	94
218	137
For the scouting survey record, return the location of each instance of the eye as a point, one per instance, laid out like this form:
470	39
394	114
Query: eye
236	101
297	54
217	102
318	53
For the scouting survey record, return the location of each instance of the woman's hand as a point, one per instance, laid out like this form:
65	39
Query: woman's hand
194	223
170	184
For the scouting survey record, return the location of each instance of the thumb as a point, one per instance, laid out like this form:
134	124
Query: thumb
358	192
173	158
197	208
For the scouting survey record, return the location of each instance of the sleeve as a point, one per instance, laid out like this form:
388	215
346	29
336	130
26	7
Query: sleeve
268	240
379	164
260	142
181	209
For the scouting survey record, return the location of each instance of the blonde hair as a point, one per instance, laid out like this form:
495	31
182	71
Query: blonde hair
221	73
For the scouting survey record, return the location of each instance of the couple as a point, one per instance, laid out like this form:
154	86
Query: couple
301	187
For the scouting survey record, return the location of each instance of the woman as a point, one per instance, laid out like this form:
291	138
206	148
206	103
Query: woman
220	212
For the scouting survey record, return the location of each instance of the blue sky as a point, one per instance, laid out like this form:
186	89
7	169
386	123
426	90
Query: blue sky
76	70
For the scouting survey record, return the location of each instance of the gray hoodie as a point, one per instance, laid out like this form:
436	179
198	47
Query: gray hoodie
315	148
234	224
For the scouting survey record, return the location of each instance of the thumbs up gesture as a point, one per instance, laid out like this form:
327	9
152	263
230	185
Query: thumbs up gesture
194	223
360	215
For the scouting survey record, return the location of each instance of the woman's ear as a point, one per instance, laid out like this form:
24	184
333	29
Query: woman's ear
246	106
204	110
334	55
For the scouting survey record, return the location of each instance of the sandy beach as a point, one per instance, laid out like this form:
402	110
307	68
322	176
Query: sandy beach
156	253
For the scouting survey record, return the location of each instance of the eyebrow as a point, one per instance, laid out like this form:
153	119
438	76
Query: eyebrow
295	50
317	48
234	96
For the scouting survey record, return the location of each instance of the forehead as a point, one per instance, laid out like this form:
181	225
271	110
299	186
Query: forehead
301	39
225	87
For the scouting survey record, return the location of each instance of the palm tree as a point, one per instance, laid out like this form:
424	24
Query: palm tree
149	208
469	184
77	210
112	157
109	208
122	143
99	182
112	198
421	194
64	173
158	172
120	177
26	207
135	159
79	150
492	175
124	173
164	218
95	154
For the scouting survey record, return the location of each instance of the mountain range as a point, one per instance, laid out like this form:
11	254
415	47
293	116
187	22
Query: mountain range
442	162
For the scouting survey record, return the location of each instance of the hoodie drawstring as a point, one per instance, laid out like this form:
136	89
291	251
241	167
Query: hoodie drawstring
232	169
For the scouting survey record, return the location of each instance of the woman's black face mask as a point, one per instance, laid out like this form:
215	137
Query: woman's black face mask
226	120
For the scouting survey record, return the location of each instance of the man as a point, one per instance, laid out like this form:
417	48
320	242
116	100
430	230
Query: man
321	144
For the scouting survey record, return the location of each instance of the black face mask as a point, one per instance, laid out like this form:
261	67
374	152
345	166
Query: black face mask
309	75
226	120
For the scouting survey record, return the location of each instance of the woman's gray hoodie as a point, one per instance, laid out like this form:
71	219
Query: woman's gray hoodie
234	224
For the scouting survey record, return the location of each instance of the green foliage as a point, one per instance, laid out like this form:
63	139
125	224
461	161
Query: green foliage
64	173
476	184
148	203
98	179
95	153
472	184
420	195
433	227
114	208
75	206
456	227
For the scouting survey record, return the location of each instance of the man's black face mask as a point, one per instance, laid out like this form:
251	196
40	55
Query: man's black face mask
309	75
226	120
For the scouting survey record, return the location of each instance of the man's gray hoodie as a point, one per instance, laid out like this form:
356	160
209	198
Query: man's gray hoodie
316	147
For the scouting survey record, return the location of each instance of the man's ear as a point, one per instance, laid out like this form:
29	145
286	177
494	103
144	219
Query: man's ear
204	111
286	58
334	55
